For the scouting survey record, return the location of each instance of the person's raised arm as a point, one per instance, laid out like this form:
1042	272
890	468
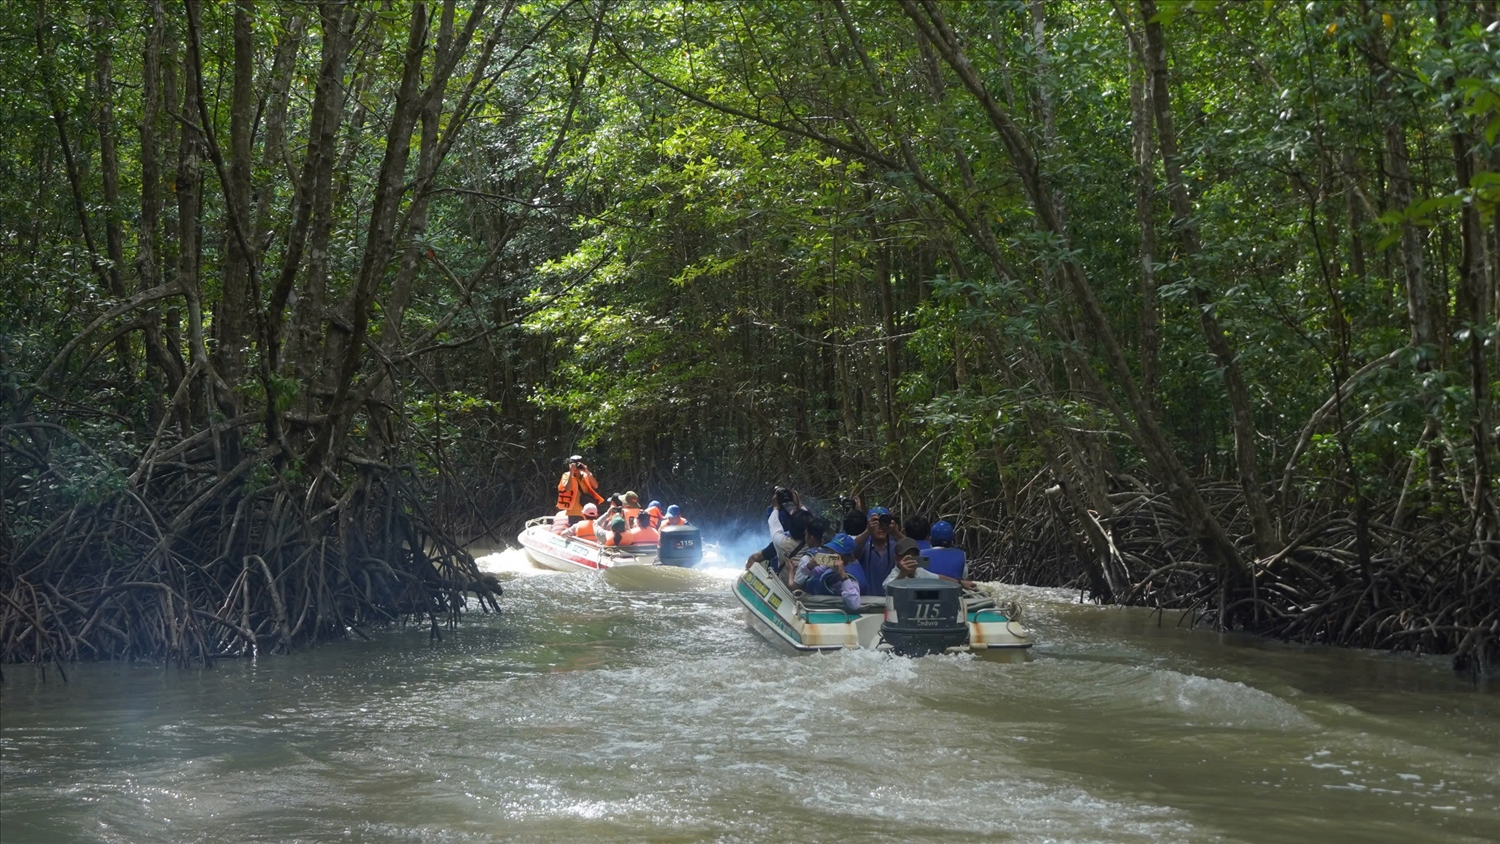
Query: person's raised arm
773	522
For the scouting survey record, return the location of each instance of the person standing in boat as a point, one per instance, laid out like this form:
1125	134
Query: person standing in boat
577	483
876	548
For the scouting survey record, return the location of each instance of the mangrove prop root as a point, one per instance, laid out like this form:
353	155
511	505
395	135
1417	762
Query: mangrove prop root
1428	586
189	564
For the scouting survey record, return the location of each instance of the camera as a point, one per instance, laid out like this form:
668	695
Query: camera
616	501
784	496
886	518
847	504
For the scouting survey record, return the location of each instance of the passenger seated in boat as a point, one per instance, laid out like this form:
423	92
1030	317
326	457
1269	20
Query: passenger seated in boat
618	535
765	555
813	531
854	522
822	571
643	533
674	516
631	507
876	549
909	564
918	529
654	508
943	558
585	529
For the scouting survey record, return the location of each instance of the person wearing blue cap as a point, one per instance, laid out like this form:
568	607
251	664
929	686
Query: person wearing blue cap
943	558
876	548
674	516
822	571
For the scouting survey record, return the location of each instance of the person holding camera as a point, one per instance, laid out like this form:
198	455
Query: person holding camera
876	548
822	571
787	522
576	483
909	558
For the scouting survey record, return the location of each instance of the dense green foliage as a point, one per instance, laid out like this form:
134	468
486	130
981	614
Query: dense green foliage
1190	302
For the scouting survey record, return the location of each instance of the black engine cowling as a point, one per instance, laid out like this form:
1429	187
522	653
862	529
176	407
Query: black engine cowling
681	545
924	616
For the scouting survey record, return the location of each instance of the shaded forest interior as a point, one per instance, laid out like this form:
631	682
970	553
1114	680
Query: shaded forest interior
1189	305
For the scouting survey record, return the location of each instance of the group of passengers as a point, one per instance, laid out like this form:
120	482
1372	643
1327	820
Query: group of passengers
625	522
870	551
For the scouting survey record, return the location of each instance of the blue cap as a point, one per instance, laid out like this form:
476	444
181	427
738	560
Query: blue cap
942	533
841	544
877	511
674	510
654	503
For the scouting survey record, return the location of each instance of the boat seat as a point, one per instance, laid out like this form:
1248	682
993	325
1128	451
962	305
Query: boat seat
834	602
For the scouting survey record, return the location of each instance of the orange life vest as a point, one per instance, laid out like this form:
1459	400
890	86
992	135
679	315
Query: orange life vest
571	490
585	530
632	515
674	520
655	516
642	536
625	539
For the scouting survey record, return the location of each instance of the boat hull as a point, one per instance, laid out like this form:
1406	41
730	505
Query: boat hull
562	553
795	623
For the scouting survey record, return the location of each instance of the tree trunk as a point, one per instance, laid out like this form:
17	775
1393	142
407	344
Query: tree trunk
1264	533
1205	527
109	173
1145	214
233	310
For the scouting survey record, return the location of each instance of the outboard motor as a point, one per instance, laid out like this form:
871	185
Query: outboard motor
680	546
924	616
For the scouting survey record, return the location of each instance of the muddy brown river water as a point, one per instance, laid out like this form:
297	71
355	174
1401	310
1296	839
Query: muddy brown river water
590	712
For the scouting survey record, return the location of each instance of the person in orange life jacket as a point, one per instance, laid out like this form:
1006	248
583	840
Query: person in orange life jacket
617	535
631	508
909	564
576	484
644	533
654	508
876	549
585	529
560	521
674	516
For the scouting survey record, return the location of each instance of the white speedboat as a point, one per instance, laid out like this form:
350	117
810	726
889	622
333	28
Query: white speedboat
680	546
916	617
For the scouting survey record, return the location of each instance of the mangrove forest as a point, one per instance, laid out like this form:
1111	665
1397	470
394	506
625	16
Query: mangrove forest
1183	304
